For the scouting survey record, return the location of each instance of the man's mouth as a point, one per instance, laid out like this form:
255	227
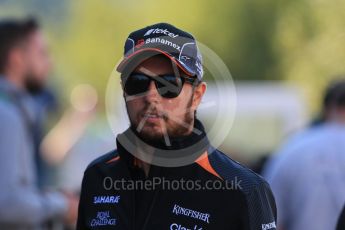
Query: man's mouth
149	115
153	117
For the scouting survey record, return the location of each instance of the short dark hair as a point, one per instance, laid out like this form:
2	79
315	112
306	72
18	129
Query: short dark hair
335	94
12	33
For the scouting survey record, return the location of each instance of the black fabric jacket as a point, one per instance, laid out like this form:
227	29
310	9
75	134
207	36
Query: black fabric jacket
341	220
218	193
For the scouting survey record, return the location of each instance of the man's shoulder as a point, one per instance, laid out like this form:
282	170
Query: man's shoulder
231	170
9	116
103	160
261	211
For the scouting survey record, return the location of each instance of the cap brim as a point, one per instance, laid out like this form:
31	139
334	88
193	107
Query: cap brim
135	57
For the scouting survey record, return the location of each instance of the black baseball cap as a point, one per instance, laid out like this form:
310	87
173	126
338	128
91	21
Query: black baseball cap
166	39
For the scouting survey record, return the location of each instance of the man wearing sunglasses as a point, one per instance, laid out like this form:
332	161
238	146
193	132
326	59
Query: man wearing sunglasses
164	173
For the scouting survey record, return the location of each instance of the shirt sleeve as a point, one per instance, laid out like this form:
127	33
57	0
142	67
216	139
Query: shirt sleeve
280	173
20	200
341	220
261	211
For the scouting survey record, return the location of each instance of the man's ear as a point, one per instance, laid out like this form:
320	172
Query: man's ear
199	92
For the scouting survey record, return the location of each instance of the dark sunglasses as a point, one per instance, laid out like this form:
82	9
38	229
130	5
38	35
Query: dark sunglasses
167	85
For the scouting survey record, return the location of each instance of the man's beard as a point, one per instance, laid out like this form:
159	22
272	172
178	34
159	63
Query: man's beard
32	85
180	129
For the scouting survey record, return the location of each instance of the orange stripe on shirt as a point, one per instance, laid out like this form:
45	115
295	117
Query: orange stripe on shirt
204	162
113	159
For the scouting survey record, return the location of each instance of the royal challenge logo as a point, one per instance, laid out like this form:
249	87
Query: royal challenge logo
103	218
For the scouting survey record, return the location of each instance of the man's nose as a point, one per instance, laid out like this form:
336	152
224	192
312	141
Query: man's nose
152	93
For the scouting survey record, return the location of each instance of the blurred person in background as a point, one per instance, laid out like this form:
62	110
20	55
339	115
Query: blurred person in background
24	67
261	167
46	106
307	174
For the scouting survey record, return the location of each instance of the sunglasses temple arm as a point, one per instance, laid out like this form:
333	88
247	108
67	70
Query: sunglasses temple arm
175	68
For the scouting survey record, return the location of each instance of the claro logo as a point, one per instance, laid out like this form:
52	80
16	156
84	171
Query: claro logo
175	226
161	31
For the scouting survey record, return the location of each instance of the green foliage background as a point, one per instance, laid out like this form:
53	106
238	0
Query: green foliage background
297	41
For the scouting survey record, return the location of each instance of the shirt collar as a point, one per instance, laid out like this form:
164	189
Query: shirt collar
123	142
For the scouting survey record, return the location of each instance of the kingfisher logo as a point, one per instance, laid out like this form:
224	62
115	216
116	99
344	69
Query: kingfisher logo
178	210
160	31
